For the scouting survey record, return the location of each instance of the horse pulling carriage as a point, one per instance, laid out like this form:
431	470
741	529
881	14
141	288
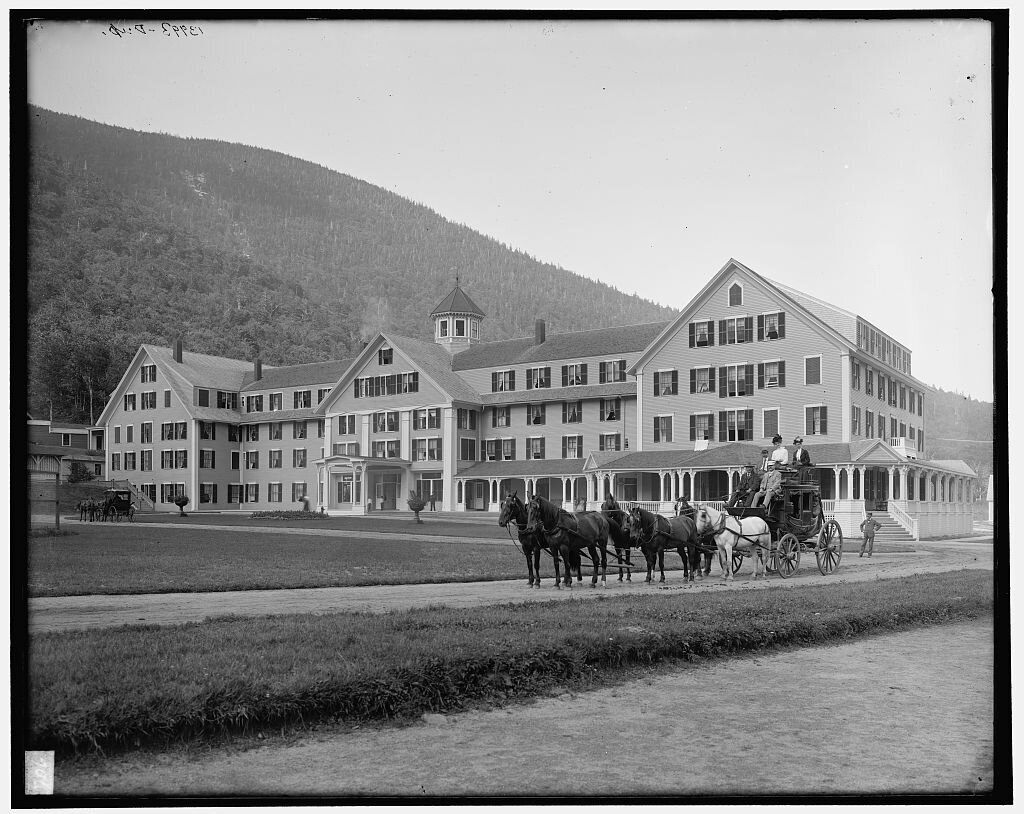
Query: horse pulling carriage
793	523
116	503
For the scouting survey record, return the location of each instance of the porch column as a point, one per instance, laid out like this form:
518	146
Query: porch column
849	482
693	486
611	483
891	470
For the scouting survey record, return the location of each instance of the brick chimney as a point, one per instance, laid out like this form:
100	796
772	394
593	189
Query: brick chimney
538	332
257	369
177	350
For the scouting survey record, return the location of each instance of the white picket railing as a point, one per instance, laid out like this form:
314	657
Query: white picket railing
909	524
828	510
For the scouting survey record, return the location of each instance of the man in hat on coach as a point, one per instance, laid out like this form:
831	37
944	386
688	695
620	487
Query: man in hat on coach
744	494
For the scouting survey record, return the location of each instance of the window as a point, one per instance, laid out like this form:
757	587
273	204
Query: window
275	402
535	414
702	380
769	422
302	399
920	404
903	430
167	398
252	460
572	412
920	441
419	419
466	419
115	460
771	326
467	449
735	294
148	489
321	394
252	493
881	387
146	463
274	492
390	385
538	377
202	397
385	356
148	373
149	400
816	420
129	402
735	380
442	327
474	327
321	425
666	382
491	450
299	458
702	427
181	459
736	330
207	458
252	432
460	327
880	423
702	334
254	404
129	433
735	425
346	425
207	431
234	493
433	418
574	375
298	430
503	380
771	374
129	460
812	370
662	428
167	459
572	446
275	430
855	421
166	492
235	459
227	401
298	491
613	371
501	416
855	375
893	393
351	448
611	409
385	422
117	435
65	439
274	461
508	449
869	424
609	442
893	428
534	449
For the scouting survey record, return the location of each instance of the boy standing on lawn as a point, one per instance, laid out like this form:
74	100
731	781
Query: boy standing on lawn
868	528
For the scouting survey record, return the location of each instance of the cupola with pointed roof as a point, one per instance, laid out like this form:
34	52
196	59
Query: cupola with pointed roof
457	321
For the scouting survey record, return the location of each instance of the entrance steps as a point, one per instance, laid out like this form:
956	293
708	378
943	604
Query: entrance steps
890	531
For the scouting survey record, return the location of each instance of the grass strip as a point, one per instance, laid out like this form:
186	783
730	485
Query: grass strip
110	688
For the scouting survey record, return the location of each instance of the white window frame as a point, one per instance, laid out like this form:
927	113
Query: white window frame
665	381
728	294
809	407
531	455
271	487
710	431
767	362
767	314
707	382
280	402
671	428
735	330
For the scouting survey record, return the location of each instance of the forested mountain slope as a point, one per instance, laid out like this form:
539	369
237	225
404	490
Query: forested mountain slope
141	237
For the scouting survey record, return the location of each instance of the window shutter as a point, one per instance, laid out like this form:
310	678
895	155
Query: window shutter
760	327
749	325
657	430
722	336
750	424
602	376
565	413
494	416
824	420
711	332
213	460
711	379
565	446
675	382
513	449
721	425
782	374
494	381
579	446
529	378
693	335
583	372
750	380
711	426
657	388
693	427
215	493
782	325
693	380
565	375
807	420
512	380
622	369
542	440
722	381
760	375
355	389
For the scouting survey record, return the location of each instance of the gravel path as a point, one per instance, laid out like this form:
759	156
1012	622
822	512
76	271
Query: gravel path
79	612
904	713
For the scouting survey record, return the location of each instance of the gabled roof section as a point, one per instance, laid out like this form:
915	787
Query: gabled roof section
873	450
457	302
609	342
436	363
201	370
958	467
297	375
731	269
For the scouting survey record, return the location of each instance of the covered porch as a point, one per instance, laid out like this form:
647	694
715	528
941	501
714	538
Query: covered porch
482	486
352	484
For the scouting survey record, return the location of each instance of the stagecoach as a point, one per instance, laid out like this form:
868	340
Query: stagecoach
117	503
797	524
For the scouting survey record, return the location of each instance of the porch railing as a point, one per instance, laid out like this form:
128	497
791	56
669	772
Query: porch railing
828	510
909	524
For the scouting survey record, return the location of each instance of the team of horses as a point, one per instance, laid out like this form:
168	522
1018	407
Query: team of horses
695	533
103	510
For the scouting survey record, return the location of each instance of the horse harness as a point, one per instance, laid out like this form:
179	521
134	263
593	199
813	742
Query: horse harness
724	527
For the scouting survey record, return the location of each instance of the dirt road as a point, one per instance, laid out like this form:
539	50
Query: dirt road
78	612
895	714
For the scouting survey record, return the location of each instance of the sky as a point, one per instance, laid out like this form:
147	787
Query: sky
848	159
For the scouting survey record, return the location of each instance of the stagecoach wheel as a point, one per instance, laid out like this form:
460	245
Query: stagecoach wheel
830	547
788	559
737	561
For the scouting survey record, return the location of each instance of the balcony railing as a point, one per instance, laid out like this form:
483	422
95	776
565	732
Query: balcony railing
904	446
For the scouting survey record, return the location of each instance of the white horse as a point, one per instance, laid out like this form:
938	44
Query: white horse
748	534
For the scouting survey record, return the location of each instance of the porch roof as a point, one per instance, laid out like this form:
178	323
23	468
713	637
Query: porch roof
520	469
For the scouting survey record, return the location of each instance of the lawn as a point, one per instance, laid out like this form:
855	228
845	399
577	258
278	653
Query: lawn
112	687
119	558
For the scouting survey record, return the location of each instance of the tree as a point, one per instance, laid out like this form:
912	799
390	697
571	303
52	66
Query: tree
181	501
79	473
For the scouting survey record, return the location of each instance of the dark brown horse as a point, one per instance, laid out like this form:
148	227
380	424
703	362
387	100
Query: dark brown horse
569	534
513	510
655	534
618	534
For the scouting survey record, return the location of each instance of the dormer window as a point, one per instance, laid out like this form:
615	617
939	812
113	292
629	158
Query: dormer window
502	381
385	356
735	294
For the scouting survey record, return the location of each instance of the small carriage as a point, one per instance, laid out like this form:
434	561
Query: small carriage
117	503
797	524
